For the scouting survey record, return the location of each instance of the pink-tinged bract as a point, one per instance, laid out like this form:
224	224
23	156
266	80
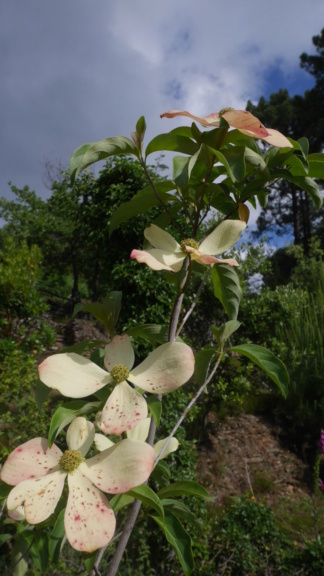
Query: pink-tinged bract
165	369
72	375
242	120
33	459
89	520
167	254
124	408
118	469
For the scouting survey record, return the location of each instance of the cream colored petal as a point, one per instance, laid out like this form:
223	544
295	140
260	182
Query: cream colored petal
80	435
167	368
197	256
275	138
171	447
89	520
33	459
102	442
158	259
161	239
17	514
120	468
205	259
124	409
222	238
39	496
210	120
140	431
246	123
119	351
73	375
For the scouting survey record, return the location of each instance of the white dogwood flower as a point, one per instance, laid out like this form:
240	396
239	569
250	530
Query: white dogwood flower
38	474
168	254
165	369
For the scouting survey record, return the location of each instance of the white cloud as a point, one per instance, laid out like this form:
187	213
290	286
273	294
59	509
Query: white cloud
76	71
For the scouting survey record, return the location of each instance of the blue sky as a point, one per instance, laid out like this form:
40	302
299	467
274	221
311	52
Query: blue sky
74	71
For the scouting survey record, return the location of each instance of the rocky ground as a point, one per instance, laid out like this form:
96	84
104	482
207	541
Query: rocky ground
244	453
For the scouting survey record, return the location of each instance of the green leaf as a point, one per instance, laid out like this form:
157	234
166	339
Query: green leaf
152	332
84	346
179	539
297	165
173	143
304	146
180	170
184	488
76	158
182	131
140	132
41	393
219	199
18	559
39	551
88	154
268	362
106	312
307	184
222	333
4	490
233	160
182	512
203	359
315	167
199	163
120	500
97	357
227	289
155	407
147	497
141	203
57	537
161	473
214	138
312	189
257	161
66	413
89	560
4	538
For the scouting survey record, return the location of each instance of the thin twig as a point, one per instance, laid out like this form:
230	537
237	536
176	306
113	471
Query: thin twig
192	307
112	571
175	313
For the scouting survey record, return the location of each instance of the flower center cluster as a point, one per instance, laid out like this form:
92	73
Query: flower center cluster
70	460
223	110
119	373
188	242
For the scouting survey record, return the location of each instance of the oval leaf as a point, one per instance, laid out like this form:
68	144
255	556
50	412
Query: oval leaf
268	362
227	289
184	488
147	497
140	204
173	143
179	539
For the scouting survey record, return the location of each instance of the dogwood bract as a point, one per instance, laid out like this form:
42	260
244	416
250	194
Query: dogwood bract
168	254
244	121
165	369
39	472
140	432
